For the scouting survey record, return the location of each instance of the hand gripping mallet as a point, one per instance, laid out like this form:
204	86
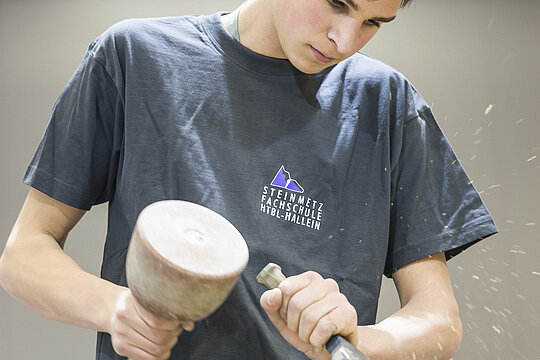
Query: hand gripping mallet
183	260
339	348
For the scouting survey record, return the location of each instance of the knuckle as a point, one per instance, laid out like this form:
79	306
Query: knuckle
165	356
151	321
160	337
286	288
295	305
308	319
331	284
352	310
340	298
122	313
119	329
316	341
312	275
321	334
326	327
120	348
158	350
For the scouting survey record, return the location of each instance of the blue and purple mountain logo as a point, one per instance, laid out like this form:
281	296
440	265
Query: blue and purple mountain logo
283	180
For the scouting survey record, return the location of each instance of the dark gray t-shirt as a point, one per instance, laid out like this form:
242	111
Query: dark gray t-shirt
344	172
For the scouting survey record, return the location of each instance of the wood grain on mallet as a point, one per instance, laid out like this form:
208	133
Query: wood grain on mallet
183	260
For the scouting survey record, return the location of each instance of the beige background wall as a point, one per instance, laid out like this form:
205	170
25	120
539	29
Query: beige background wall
462	55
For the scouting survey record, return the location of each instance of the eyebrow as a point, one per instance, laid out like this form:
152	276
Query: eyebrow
354	6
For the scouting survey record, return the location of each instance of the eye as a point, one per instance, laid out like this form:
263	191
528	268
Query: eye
338	4
373	23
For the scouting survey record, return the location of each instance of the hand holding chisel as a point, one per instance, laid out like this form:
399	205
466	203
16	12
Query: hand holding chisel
339	348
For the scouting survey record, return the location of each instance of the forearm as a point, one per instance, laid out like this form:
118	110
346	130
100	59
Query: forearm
40	274
419	330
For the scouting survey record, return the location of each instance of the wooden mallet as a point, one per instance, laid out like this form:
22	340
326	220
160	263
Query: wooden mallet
183	260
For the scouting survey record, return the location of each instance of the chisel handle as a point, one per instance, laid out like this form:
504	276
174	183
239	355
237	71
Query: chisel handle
339	348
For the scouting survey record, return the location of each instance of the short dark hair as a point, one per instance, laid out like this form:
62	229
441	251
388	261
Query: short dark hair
405	3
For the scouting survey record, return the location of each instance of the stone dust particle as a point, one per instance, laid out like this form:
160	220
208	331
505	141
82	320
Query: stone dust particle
496	329
531	158
488	109
518	252
494	186
536	273
475	277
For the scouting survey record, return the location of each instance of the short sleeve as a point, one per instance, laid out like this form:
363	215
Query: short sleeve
435	208
77	159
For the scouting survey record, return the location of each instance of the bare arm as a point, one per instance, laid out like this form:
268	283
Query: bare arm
427	326
35	270
307	309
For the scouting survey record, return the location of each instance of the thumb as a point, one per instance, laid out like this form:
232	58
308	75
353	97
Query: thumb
271	300
188	326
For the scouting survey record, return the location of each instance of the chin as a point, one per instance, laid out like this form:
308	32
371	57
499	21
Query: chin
308	67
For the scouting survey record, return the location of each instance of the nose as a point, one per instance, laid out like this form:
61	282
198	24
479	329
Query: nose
345	34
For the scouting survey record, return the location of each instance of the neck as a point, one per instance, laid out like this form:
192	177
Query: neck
256	28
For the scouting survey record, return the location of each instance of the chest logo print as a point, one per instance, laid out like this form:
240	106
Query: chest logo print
284	199
283	180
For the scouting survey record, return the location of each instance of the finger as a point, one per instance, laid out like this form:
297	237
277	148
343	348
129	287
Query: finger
300	302
142	324
134	352
137	340
270	302
292	285
188	326
311	316
341	320
154	321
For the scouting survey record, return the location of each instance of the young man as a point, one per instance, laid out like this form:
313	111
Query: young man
327	161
